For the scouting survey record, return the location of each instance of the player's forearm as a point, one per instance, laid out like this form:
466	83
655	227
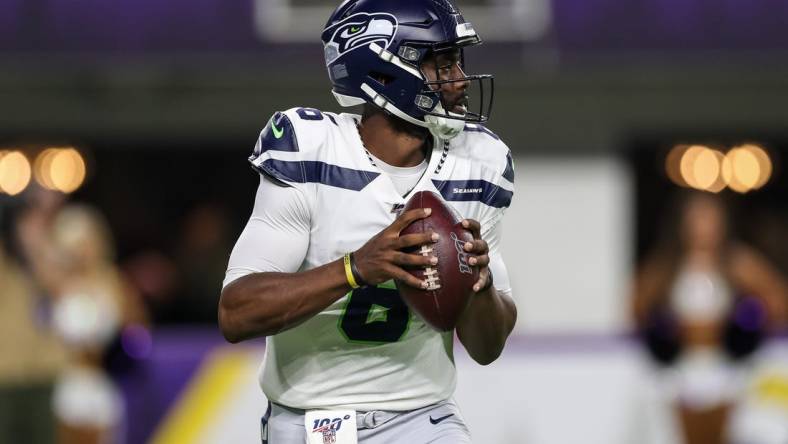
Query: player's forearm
263	304
485	325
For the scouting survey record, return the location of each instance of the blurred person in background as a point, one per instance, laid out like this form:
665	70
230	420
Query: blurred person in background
702	297
202	262
155	278
32	227
72	256
32	353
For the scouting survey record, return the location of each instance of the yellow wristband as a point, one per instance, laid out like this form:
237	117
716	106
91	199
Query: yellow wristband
349	272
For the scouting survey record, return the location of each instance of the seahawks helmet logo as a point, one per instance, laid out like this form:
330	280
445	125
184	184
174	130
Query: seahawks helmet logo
359	30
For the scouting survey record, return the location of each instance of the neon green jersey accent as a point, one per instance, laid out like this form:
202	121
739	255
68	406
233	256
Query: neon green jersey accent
377	313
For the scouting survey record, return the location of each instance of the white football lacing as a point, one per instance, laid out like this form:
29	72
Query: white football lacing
430	273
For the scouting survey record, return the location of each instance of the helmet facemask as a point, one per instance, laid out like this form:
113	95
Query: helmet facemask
444	102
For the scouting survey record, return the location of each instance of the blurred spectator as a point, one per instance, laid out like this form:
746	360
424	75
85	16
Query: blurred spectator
32	230
32	357
202	258
155	277
703	299
71	253
184	290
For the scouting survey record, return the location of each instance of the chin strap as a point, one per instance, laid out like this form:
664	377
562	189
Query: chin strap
442	127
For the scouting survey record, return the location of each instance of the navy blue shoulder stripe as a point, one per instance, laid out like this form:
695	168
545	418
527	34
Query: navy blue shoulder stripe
474	190
508	173
310	171
479	128
278	135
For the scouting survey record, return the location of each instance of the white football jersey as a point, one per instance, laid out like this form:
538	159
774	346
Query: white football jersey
320	196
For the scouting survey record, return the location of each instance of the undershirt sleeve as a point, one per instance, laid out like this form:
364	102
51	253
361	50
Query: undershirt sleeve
276	238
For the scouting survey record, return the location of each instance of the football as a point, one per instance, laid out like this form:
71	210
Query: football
451	280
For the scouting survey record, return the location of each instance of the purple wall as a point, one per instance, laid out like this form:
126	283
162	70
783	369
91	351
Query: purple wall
126	25
153	383
221	25
671	24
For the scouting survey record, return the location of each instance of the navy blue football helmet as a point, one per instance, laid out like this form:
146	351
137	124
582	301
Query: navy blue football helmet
374	51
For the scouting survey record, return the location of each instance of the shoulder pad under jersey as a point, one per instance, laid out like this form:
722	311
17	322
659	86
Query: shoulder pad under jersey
299	146
287	141
485	146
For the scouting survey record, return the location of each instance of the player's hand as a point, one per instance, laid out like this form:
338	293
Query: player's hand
381	258
478	250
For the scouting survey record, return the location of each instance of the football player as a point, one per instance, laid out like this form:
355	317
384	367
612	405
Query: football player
313	271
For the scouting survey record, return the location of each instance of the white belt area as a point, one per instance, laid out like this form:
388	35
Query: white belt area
375	418
364	420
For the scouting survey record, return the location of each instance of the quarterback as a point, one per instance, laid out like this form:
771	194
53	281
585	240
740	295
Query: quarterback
314	269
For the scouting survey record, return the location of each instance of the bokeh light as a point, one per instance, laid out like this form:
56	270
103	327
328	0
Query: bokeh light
67	170
744	168
14	172
41	168
60	169
764	163
687	161
673	164
706	168
730	179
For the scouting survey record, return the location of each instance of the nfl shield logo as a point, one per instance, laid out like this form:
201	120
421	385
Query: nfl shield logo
329	436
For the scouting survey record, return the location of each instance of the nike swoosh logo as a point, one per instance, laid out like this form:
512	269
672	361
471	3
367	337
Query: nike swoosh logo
277	132
437	420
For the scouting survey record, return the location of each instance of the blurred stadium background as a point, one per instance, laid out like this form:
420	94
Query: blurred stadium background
147	110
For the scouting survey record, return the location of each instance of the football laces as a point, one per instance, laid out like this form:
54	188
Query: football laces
430	273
